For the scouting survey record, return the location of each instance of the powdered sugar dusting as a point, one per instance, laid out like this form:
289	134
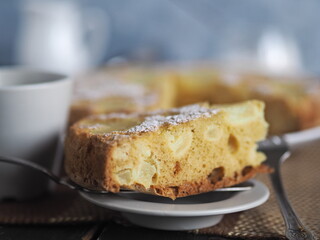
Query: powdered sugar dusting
113	115
184	114
231	79
263	89
151	121
95	126
103	88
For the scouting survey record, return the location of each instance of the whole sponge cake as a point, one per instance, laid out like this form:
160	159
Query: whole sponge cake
172	153
291	102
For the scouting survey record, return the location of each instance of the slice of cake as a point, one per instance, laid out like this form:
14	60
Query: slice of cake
172	153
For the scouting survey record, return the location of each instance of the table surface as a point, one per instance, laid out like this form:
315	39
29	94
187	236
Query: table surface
102	231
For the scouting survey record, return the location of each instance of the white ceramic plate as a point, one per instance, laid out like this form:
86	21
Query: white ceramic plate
186	213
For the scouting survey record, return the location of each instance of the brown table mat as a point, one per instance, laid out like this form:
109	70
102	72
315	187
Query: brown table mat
301	179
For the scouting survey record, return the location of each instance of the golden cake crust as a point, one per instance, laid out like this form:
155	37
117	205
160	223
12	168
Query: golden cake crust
206	184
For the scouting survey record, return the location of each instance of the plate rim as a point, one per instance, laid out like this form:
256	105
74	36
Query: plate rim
258	195
303	136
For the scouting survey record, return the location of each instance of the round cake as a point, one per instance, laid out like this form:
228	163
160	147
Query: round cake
291	103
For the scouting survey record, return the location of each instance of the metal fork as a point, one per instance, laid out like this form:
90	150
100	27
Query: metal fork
59	180
277	151
74	186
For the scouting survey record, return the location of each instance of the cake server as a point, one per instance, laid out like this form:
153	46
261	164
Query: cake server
277	150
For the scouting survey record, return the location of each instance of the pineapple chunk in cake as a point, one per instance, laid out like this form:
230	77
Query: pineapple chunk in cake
172	153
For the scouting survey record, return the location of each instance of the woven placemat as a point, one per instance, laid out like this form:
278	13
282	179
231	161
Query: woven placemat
301	180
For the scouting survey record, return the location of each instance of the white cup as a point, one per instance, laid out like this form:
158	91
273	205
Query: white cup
34	107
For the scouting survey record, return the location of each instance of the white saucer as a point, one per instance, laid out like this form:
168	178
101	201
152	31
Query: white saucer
186	213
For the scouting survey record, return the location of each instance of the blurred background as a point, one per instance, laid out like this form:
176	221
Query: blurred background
75	36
